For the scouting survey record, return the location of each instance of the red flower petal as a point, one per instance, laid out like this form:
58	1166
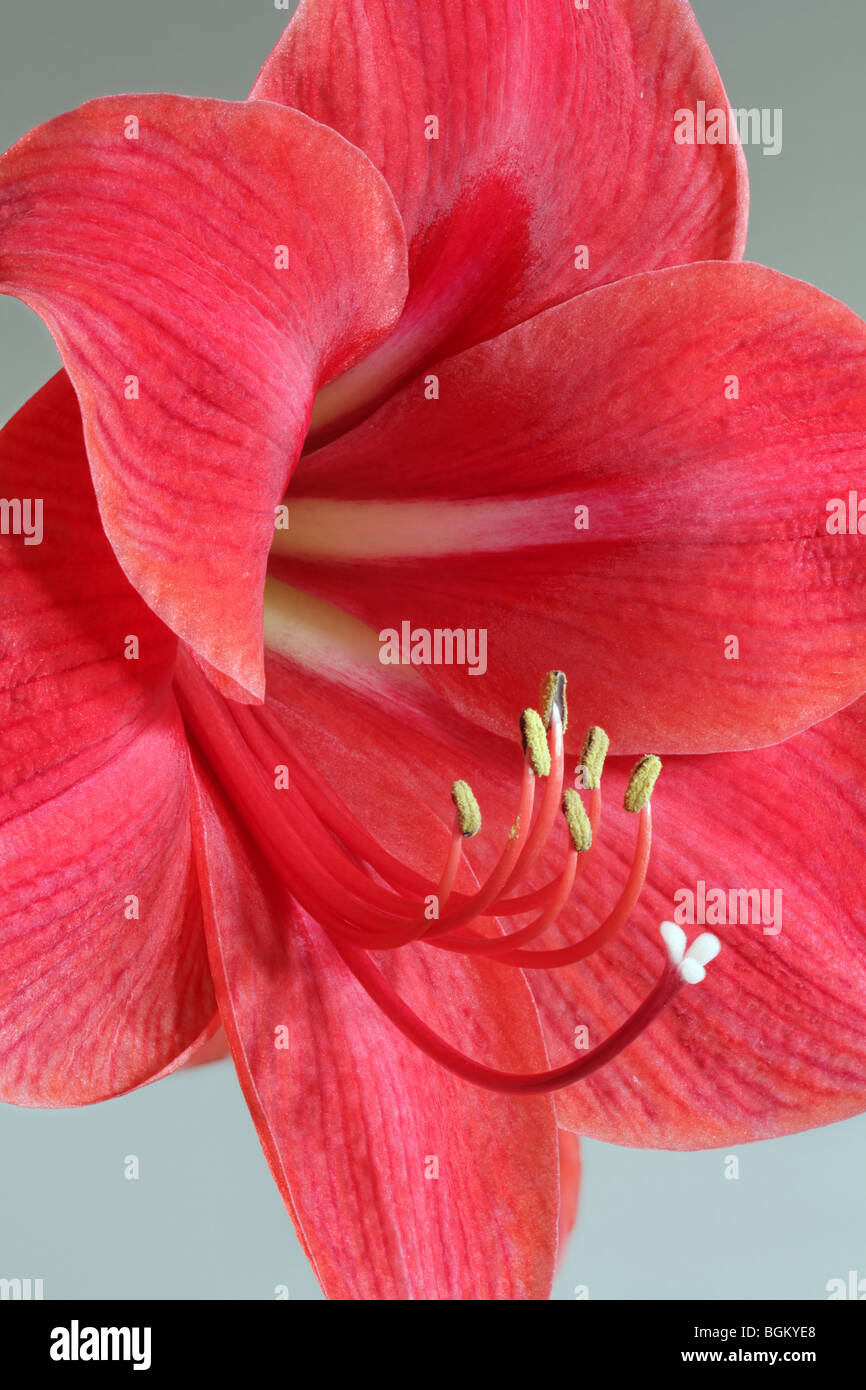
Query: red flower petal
403	1182
707	516
555	131
158	262
103	970
774	1040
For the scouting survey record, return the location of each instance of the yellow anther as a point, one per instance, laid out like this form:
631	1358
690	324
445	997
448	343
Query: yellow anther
595	747
468	813
535	742
577	820
643	778
553	693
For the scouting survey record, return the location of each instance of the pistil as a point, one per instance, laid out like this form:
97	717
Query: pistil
679	969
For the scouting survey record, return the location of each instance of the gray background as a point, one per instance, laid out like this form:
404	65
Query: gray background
204	1220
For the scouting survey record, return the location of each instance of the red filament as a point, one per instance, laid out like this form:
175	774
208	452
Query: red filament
368	900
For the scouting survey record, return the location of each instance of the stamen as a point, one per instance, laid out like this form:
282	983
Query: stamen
536	840
473	906
333	813
468	812
452	864
570	955
535	742
577	821
644	776
528	902
553	697
592	757
382	901
282	835
476	945
552	898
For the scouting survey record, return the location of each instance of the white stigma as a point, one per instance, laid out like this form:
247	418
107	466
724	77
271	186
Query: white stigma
703	949
675	941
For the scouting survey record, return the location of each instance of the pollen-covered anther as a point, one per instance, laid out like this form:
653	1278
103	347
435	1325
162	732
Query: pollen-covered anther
703	949
595	747
553	697
468	811
534	737
577	820
644	776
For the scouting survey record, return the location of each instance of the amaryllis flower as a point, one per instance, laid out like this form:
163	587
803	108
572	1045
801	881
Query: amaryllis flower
430	370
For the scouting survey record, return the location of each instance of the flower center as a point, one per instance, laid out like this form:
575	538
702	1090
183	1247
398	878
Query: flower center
367	900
